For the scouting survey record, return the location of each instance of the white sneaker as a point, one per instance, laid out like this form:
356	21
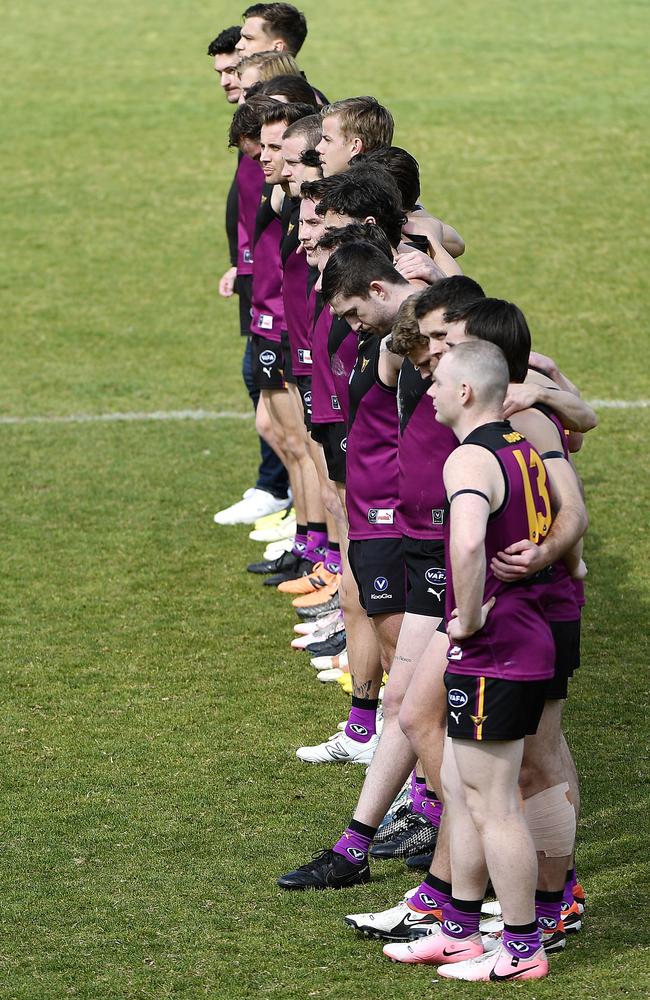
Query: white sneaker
339	749
308	628
254	504
319	635
275	549
340	662
399	923
329	675
493	907
276	533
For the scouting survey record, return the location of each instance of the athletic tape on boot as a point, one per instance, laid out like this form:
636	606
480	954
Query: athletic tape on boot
551	820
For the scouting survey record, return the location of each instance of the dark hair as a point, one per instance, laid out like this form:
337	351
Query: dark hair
403	168
315	190
501	323
357	232
246	122
310	158
225	41
448	293
277	111
351	270
364	191
309	129
282	20
294	88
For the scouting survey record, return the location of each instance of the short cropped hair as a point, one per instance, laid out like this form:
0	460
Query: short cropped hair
365	118
281	20
246	123
357	232
501	323
308	129
363	191
351	270
225	41
403	168
294	88
484	367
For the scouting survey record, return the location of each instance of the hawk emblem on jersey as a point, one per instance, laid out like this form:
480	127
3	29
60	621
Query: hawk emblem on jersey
263	199
364	364
513	437
478	720
290	228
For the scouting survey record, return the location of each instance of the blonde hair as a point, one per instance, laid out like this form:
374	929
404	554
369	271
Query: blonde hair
363	118
270	64
405	335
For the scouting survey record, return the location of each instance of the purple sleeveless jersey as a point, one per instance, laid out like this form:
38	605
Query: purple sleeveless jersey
371	453
294	294
267	308
325	408
515	643
250	181
342	347
424	447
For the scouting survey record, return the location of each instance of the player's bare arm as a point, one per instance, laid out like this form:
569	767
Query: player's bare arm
441	231
470	468
575	414
389	363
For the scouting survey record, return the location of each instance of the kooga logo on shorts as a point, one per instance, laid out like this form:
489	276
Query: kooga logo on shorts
381	585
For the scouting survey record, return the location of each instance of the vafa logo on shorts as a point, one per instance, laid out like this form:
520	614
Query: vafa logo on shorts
381	585
457	698
267	357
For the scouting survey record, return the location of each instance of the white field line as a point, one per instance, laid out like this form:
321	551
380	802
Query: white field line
162	415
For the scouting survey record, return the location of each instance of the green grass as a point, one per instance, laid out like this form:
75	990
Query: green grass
151	703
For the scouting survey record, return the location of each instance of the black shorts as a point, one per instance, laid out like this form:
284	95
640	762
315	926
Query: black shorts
425	575
567	658
333	438
378	568
304	388
244	289
268	363
487	708
286	354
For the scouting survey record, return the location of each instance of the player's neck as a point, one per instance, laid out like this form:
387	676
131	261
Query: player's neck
468	421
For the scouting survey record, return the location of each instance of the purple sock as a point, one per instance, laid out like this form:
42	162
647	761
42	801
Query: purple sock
431	807
431	894
333	559
316	542
354	844
567	895
361	724
572	876
461	917
522	942
418	793
548	906
300	541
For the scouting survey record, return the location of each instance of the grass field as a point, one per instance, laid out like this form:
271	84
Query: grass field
151	703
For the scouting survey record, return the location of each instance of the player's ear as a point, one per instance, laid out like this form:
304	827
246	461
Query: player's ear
370	219
356	146
378	289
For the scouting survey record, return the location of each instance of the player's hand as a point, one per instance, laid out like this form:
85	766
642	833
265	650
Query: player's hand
455	630
518	561
580	572
417	265
227	283
520	396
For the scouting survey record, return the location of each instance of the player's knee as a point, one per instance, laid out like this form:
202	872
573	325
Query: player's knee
392	703
551	819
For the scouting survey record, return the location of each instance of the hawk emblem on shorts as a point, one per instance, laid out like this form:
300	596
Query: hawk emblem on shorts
478	720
